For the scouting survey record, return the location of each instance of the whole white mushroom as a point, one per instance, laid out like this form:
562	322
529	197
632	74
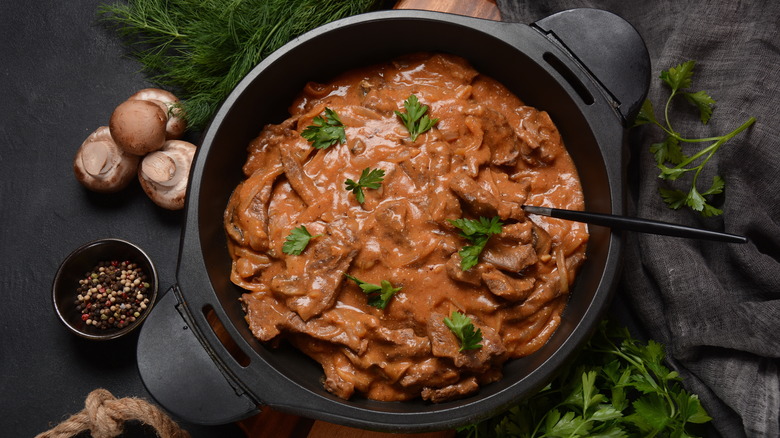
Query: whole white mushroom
175	125
164	174
138	126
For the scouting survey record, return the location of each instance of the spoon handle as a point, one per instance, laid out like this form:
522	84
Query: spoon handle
635	224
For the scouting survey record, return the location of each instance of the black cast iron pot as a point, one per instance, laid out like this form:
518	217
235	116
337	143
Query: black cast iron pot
588	68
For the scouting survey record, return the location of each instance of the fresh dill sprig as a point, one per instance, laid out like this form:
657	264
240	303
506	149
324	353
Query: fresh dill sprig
200	50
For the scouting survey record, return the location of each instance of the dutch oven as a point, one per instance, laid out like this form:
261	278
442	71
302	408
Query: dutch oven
589	69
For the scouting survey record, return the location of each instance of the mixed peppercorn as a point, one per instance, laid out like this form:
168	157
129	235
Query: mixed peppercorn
113	295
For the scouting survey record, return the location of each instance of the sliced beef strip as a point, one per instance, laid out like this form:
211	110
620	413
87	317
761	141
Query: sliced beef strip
500	138
543	293
471	276
263	152
511	194
509	256
425	168
518	232
491	194
246	216
537	135
299	181
430	372
312	280
445	344
268	318
480	201
508	287
452	392
406	343
542	242
341	376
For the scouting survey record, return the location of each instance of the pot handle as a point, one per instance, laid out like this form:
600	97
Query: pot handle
179	371
609	48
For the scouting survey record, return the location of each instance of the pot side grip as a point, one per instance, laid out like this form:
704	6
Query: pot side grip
177	370
609	48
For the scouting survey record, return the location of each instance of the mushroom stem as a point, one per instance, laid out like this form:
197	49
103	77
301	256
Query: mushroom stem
95	157
102	166
164	174
160	168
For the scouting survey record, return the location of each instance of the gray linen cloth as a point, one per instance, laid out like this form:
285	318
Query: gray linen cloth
715	306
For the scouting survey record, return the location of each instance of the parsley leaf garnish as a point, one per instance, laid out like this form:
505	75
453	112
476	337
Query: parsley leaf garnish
616	387
378	294
461	326
369	179
297	240
669	155
325	131
477	232
415	119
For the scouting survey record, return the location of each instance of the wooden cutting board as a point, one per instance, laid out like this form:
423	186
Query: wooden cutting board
273	424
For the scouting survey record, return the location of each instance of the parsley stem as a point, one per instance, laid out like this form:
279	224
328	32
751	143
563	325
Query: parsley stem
671	131
669	128
728	136
711	149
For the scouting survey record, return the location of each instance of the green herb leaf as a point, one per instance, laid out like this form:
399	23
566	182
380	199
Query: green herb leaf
646	114
667	151
710	211
369	179
568	424
588	396
415	119
669	155
680	76
702	101
671	173
477	232
691	409
695	200
673	198
717	186
297	240
650	414
325	131
378	295
461	326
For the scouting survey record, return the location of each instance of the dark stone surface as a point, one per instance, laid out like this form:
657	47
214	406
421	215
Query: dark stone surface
61	75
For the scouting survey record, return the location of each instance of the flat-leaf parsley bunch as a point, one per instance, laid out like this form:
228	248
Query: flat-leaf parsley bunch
616	387
669	154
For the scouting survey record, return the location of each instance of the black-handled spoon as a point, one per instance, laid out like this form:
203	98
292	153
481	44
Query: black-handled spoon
635	224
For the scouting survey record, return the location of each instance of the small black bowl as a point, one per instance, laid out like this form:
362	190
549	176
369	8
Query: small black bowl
83	260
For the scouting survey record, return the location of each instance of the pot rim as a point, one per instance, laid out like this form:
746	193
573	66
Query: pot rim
262	382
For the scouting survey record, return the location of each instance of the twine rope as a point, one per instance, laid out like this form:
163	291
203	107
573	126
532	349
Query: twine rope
104	416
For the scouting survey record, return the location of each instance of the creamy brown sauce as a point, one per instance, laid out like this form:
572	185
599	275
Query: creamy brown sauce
488	155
